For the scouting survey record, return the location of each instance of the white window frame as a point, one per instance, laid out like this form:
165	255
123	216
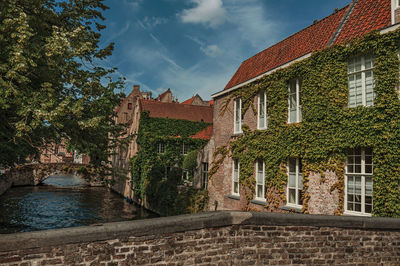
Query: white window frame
264	93
185	149
363	174
363	80
299	116
263	181
204	175
233	177
237	126
161	148
297	187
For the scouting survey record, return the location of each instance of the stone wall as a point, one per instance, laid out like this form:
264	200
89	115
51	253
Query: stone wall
217	238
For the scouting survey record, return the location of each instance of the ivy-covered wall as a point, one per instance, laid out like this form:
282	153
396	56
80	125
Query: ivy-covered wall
329	128
157	177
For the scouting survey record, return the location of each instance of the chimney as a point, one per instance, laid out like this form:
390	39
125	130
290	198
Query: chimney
395	11
136	89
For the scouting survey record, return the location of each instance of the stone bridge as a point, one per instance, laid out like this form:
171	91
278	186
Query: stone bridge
36	173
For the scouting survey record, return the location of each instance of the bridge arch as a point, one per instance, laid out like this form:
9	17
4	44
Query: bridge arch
34	174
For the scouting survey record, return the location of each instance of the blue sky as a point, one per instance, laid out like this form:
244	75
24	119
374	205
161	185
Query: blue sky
195	46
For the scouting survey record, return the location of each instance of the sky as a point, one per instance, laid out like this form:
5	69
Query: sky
195	46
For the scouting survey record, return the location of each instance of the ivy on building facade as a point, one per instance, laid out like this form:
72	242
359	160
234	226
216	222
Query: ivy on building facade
157	174
329	128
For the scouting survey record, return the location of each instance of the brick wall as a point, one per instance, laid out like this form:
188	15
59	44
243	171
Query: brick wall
322	199
223	238
220	185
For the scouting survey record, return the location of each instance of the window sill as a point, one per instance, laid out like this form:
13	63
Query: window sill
236	134
351	213
264	128
234	197
297	209
262	202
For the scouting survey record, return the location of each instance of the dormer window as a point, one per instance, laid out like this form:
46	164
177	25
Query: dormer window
238	118
295	115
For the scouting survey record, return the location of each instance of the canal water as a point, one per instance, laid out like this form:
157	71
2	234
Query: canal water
63	201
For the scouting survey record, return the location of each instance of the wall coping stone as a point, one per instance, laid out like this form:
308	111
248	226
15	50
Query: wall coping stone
182	223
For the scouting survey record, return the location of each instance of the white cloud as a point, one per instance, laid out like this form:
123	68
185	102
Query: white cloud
208	12
148	23
134	5
211	50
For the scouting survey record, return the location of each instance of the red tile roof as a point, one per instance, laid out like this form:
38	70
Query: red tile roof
204	134
314	37
189	101
366	16
177	111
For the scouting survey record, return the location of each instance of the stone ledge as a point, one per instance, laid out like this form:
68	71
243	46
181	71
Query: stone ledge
175	224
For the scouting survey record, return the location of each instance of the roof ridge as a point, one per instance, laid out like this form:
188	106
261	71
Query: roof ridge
309	26
165	103
352	5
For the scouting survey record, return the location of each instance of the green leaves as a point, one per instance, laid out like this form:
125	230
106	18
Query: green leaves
52	83
156	176
329	127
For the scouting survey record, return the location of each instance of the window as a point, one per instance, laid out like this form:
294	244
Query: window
160	147
260	181
238	116
204	175
262	110
295	183
184	149
361	81
358	182
235	179
129	106
295	115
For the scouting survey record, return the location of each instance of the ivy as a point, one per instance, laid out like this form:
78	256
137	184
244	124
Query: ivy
328	128
157	178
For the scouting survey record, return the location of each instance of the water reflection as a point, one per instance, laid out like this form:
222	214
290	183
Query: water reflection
64	203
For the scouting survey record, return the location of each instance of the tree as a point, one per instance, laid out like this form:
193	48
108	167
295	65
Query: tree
53	81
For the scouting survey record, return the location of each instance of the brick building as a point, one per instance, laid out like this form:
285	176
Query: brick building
163	106
338	29
58	153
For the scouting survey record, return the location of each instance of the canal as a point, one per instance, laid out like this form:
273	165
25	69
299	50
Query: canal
63	201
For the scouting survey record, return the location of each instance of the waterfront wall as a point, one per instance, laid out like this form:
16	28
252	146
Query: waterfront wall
219	238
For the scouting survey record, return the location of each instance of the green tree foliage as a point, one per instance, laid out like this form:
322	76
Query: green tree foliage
53	84
190	161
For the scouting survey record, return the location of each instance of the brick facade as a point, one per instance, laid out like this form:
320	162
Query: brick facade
358	18
219	238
